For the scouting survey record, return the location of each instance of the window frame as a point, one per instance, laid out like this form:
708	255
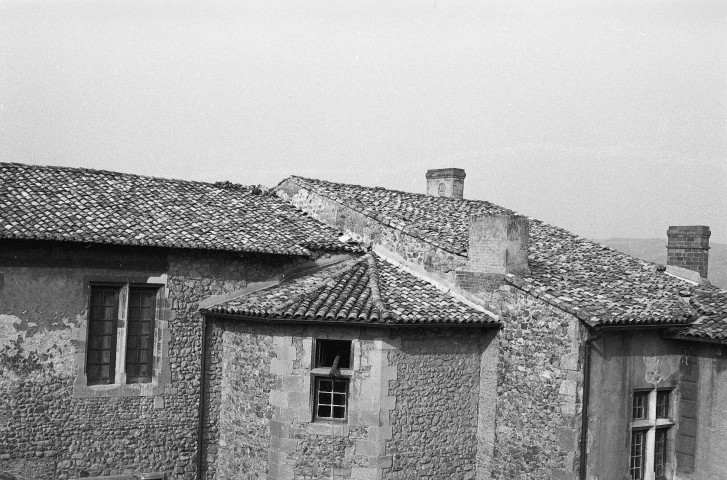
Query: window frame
647	427
161	367
322	373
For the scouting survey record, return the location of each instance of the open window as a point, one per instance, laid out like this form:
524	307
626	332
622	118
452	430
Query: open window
331	380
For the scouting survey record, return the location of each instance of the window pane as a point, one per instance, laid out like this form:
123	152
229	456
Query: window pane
640	409
330	405
662	404
140	339
660	451
101	341
637	455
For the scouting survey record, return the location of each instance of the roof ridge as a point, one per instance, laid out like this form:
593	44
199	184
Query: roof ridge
374	286
474	202
64	168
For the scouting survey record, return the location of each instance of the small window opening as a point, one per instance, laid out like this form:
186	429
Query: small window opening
334	354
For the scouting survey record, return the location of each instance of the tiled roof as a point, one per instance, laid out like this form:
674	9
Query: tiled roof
81	205
711	324
594	282
368	289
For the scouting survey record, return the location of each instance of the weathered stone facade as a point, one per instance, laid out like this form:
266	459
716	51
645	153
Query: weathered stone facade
436	421
50	430
539	390
539	374
413	393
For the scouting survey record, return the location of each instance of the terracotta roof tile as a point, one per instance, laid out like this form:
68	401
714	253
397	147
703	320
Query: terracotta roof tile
367	289
595	282
710	305
81	205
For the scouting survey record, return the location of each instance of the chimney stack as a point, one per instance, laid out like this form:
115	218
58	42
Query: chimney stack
445	182
688	247
498	245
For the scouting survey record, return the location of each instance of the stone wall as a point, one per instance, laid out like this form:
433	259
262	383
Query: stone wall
435	422
413	392
539	390
540	378
48	429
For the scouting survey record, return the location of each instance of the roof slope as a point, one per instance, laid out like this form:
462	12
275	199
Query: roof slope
57	203
596	283
367	290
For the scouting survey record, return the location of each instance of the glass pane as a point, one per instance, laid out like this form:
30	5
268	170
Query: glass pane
339	399
340	387
324	411
660	451
662	404
339	412
640	409
637	455
326	385
324	398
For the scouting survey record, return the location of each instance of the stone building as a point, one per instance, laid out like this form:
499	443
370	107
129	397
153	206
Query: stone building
339	331
101	278
608	368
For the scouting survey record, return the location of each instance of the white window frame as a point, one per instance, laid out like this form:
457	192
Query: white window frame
649	425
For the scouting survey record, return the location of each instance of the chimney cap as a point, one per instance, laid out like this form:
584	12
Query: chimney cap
445	173
688	230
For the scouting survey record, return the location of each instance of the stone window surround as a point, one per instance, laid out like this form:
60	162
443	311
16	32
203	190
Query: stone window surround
326	372
161	376
649	424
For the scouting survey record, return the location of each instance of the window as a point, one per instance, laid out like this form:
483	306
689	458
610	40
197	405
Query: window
641	402
140	336
649	434
637	455
109	303
662	404
102	320
331	379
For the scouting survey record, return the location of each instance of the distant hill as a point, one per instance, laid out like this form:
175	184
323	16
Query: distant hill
654	250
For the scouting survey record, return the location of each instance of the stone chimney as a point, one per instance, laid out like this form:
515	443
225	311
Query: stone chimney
688	247
498	245
445	182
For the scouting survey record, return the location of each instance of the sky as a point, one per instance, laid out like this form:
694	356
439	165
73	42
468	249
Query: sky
605	118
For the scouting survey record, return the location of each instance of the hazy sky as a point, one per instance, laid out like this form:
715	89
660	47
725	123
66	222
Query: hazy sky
607	118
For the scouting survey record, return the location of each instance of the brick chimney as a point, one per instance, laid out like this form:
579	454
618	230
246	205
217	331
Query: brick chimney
498	245
688	247
445	182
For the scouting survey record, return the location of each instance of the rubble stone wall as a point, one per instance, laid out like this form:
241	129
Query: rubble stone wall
413	394
539	390
436	430
48	430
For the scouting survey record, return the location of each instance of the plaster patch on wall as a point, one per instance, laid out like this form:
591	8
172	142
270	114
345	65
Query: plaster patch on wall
658	368
28	354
